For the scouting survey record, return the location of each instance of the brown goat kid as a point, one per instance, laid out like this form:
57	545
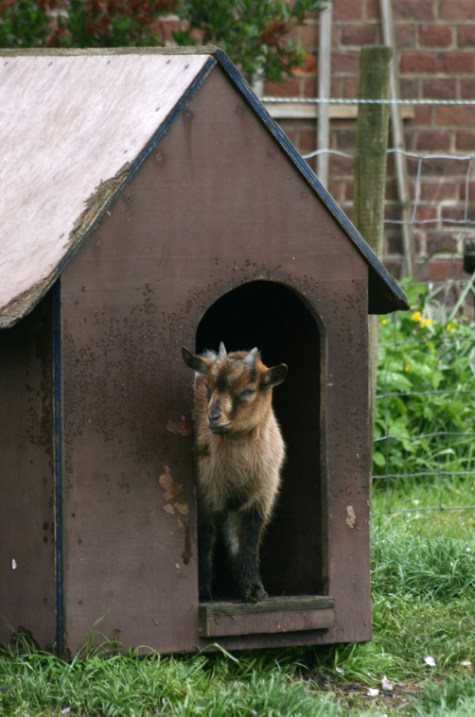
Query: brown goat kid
240	452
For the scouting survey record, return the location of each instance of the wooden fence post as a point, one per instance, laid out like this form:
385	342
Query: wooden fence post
370	174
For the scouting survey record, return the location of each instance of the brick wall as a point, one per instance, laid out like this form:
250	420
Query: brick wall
436	60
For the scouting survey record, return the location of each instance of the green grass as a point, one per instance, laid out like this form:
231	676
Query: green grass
423	576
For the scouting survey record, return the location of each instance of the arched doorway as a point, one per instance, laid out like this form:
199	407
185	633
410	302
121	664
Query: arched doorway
274	318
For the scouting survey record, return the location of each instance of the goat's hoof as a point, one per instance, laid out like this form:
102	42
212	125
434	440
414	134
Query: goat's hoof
254	593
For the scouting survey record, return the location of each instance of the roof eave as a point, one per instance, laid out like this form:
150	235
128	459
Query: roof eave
384	294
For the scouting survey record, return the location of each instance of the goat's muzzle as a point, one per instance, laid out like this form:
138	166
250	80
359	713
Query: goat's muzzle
214	418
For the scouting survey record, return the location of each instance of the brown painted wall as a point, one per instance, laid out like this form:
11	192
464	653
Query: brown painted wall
27	572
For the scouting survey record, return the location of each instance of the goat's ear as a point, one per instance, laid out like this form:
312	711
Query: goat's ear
198	363
275	375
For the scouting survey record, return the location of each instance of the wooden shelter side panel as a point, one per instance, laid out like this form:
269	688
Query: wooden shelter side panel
217	204
27	577
348	463
129	516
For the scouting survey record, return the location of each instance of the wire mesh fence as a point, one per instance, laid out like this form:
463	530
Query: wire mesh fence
425	417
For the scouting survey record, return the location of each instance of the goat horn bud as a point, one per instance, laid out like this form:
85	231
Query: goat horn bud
222	351
251	357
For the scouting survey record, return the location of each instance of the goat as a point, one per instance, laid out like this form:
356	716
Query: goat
240	452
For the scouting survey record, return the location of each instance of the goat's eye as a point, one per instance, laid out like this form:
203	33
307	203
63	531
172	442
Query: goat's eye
247	392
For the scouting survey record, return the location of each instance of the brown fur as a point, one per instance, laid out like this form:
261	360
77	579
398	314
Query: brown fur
240	452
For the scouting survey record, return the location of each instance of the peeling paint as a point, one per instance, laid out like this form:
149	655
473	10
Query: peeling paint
350	516
171	488
182	427
182	508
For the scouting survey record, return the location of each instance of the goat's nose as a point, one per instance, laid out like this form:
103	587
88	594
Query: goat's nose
214	413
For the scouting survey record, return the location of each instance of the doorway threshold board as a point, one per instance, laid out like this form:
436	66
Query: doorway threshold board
292	613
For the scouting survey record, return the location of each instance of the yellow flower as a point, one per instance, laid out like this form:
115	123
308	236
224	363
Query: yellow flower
450	326
416	316
425	322
384	321
406	367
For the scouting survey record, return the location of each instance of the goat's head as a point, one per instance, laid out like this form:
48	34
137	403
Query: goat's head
239	387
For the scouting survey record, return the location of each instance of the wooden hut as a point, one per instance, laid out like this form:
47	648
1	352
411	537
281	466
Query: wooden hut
149	201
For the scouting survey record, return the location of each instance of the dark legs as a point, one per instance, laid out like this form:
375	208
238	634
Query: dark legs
206	536
242	532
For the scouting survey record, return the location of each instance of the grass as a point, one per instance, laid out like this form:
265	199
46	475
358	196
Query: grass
423	646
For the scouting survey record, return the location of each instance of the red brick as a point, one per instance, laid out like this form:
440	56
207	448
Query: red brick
391	192
438	190
405	34
458	213
441	270
435	35
465	140
439	167
336	87
457	10
346	139
306	141
309	35
439	89
308	86
372	11
341	166
466	36
420	62
359	34
441	241
347	10
345	62
414	9
409	88
289	88
349	191
471	191
393	244
337	189
433	141
458	62
457	116
392	211
425	213
422	116
467	89
350	88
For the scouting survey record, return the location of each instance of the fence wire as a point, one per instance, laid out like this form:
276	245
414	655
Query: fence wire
466	175
425	417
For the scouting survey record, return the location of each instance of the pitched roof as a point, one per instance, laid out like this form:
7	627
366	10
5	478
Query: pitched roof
74	127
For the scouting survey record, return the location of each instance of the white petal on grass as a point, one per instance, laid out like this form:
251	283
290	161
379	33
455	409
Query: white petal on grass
340	670
373	692
429	660
386	684
466	663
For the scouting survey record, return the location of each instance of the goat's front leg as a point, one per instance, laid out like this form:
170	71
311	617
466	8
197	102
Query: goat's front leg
206	537
243	530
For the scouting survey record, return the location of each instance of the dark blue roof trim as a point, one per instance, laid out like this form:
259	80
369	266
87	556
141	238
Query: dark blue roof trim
384	293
